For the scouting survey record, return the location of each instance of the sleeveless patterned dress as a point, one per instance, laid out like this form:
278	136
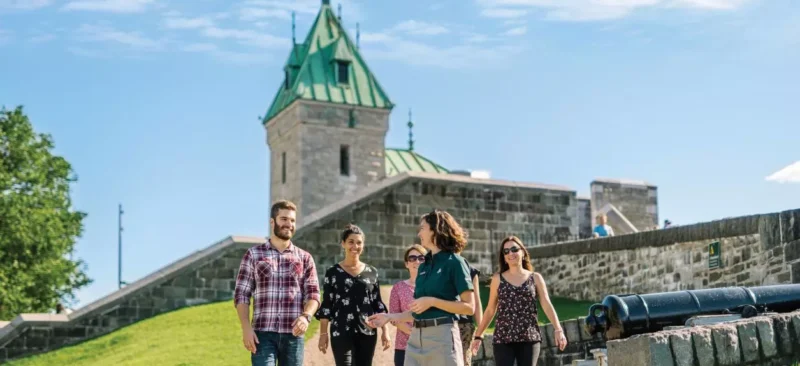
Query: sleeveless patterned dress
517	317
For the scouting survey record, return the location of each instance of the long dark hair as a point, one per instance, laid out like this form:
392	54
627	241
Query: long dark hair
526	258
447	233
351	229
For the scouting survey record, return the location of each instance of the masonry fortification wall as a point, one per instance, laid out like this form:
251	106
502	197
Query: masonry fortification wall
755	250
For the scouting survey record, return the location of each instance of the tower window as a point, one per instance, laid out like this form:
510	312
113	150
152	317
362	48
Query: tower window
286	80
283	167
344	160
342	72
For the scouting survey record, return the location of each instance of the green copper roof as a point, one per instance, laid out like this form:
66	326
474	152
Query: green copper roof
311	71
399	161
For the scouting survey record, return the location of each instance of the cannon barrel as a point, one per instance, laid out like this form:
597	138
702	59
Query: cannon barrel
620	316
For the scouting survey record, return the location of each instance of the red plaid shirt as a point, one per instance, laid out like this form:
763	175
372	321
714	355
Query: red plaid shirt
279	282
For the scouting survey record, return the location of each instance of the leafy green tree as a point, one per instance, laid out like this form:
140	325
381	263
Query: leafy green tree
38	228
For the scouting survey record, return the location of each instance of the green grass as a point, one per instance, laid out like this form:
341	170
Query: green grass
200	335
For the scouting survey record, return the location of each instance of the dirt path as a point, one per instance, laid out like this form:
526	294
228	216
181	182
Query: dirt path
313	357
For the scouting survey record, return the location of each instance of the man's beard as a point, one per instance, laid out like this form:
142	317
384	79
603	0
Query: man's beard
277	231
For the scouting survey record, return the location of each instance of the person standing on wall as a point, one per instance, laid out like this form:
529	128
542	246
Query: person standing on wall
282	280
351	293
513	294
402	296
467	323
602	229
443	291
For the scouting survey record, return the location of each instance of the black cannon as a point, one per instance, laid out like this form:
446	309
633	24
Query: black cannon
621	316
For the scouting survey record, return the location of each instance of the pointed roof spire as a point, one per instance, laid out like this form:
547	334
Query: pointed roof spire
339	7
410	132
358	36
308	72
293	27
326	2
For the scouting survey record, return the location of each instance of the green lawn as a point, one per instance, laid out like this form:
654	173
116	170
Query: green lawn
200	335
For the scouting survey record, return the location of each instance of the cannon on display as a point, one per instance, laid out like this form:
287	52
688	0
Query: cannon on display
621	316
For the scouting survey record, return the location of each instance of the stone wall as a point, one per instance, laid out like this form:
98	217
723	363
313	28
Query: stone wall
755	250
312	135
389	212
584	218
637	200
489	210
762	340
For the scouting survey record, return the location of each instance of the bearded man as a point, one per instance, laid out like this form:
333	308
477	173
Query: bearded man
282	280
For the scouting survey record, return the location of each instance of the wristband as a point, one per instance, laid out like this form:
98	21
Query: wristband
478	337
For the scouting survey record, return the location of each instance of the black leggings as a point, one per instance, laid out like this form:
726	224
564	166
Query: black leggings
354	349
525	353
399	357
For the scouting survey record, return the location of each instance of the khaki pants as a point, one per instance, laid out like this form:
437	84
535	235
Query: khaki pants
435	346
467	331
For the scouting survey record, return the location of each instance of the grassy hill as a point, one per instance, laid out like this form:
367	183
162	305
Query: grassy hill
200	335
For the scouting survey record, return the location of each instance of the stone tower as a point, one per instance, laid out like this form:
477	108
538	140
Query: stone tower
327	125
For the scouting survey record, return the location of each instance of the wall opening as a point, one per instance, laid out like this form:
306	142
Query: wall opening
283	167
344	160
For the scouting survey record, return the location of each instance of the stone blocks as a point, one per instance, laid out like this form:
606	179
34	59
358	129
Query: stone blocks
761	340
673	259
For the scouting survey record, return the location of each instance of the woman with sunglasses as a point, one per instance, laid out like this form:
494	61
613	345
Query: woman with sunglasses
402	296
513	294
443	291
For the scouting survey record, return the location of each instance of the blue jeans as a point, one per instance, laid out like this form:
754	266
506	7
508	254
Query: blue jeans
282	349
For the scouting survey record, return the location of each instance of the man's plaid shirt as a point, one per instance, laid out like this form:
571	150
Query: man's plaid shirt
279	282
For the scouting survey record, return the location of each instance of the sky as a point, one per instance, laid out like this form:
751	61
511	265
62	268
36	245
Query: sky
156	103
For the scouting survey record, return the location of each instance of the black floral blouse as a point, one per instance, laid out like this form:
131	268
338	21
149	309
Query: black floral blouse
348	301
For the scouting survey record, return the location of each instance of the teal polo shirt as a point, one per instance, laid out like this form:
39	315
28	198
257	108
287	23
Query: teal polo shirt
444	276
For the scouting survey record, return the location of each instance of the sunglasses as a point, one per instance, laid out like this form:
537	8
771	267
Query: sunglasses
418	258
513	249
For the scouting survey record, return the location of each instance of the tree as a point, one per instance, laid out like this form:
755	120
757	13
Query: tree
38	228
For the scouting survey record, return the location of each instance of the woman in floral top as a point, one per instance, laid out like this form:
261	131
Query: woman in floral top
402	296
351	293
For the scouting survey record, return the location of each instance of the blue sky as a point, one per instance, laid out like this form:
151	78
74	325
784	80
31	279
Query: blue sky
156	102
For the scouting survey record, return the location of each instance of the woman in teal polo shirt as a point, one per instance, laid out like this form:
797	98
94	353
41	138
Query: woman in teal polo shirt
443	291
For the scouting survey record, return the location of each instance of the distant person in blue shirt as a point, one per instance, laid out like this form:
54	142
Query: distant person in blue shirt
602	229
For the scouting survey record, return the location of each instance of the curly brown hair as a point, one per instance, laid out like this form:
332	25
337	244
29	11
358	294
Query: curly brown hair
447	233
526	258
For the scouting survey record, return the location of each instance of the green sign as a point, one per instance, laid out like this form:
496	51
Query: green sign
714	257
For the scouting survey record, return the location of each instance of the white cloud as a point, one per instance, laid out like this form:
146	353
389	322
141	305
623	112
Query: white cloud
594	10
24	4
460	56
248	14
351	9
112	6
102	33
239	58
789	174
41	38
247	37
5	36
415	27
518	31
187	23
503	13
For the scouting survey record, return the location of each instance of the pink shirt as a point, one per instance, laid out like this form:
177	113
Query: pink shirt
400	301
